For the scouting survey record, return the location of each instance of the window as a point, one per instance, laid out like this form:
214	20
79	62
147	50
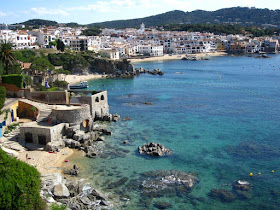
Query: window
102	98
96	99
42	139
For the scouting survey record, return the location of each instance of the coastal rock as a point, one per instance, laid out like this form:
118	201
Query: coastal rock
55	145
241	185
166	183
100	138
222	195
50	180
79	135
116	117
126	118
153	149
61	191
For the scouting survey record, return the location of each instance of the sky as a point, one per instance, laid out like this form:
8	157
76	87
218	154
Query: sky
91	11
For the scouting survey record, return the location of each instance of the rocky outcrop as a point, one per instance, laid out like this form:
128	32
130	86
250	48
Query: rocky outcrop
153	149
167	183
75	194
241	185
111	67
154	72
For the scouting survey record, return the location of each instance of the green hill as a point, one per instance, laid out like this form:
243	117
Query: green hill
234	15
39	22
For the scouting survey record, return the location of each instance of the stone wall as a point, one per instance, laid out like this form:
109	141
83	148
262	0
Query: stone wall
13	90
98	104
56	97
71	114
39	134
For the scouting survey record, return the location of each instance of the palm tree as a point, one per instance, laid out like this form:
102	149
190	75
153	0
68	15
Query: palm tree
6	54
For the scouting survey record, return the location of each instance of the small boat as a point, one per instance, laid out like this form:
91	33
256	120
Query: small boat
83	85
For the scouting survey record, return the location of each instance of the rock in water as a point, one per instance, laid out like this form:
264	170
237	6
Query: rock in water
163	205
167	183
222	195
61	191
153	149
241	185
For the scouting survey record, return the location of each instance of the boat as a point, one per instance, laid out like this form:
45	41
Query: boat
83	85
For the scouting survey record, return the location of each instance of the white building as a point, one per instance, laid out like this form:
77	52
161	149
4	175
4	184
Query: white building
109	53
151	50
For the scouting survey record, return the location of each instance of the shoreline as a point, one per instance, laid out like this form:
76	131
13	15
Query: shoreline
176	57
73	78
45	162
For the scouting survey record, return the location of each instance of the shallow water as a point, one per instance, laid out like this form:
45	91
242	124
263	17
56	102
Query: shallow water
219	117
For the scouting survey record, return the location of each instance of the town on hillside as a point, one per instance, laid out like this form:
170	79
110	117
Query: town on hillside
130	42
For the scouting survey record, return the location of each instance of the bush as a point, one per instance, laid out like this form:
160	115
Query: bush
16	79
60	84
19	184
61	71
2	97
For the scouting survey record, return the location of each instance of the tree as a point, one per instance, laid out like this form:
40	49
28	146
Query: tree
6	54
82	46
41	64
1	69
60	45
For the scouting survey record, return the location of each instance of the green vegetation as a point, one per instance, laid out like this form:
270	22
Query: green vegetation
61	71
221	29
16	79
39	22
55	206
60	83
60	45
41	64
1	69
235	15
19	184
92	31
2	97
27	79
7	57
68	60
25	56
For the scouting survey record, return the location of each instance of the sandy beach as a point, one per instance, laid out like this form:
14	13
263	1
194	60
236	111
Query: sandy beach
72	79
46	162
177	57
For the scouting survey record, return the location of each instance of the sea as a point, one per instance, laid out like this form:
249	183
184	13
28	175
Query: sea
221	120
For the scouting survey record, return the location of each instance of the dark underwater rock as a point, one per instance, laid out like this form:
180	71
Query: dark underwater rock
253	149
162	205
222	195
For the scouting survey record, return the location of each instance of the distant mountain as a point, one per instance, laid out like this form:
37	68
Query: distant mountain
235	15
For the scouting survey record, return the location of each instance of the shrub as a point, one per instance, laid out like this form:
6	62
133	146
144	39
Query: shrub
19	184
16	79
2	97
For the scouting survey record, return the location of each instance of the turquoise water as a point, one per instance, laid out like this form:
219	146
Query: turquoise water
219	117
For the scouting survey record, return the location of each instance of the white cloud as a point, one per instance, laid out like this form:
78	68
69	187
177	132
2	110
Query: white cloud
2	14
44	11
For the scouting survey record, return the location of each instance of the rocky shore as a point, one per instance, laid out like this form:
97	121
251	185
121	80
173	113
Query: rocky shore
153	149
75	194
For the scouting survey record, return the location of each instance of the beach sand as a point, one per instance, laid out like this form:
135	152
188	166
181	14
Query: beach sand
177	57
46	162
72	79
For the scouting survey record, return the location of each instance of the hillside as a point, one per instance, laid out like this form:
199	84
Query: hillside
238	15
39	22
